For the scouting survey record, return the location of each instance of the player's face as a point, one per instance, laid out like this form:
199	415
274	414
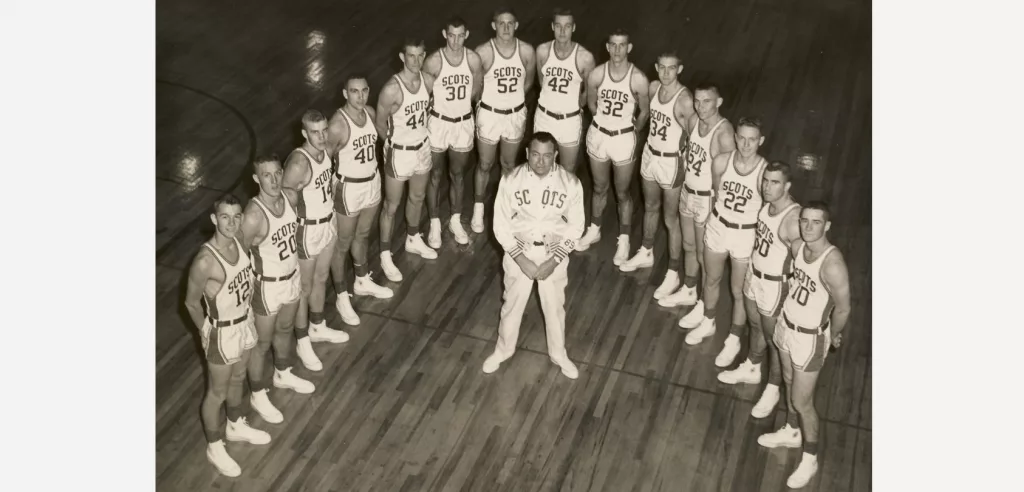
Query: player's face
706	103
774	186
668	68
413	58
316	134
269	176
619	47
455	37
748	140
227	218
563	26
813	225
542	157
505	26
357	92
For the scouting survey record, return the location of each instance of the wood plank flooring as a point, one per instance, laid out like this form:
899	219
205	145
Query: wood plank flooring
403	406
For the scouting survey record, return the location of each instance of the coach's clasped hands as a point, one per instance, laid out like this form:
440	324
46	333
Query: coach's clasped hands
534	271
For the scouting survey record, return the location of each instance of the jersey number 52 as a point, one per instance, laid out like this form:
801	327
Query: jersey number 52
507	85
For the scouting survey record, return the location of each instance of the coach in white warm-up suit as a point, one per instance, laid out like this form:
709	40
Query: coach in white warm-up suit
538	219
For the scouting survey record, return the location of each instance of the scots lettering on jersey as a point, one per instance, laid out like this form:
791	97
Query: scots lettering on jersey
363	141
738	189
239	286
548	198
416	107
614	95
661	118
560	72
454	80
697	154
764	233
324	179
507	72
800	278
283	233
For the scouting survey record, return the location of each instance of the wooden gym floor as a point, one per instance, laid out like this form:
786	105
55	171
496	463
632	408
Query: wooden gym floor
404	405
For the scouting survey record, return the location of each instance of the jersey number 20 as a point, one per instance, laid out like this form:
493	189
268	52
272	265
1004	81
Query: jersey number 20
287	248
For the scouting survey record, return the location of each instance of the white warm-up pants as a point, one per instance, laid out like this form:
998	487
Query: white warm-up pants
518	288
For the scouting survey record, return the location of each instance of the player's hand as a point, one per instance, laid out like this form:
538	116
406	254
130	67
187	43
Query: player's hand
546	269
837	340
528	267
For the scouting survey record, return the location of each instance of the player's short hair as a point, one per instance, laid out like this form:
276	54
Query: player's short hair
669	54
708	86
454	22
504	10
751	122
413	43
618	32
560	12
312	116
544	137
818	205
780	167
226	199
264	158
354	76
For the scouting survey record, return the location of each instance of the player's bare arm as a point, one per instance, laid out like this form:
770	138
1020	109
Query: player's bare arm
477	70
432	65
543	51
201	271
428	81
297	171
585	64
718	167
337	133
486	56
837	280
293	198
725	141
641	90
593	82
389	101
529	58
684	111
254	226
789	230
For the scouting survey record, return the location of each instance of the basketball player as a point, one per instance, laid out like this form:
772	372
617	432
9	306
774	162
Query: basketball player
729	235
614	92
765	286
814	315
710	136
509	65
221	274
538	219
402	116
458	81
352	137
662	167
268	231
309	172
563	67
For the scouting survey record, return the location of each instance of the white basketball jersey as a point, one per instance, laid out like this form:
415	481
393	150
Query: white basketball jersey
560	82
615	101
232	300
453	87
409	123
739	200
809	303
665	130
358	158
316	199
275	255
504	81
771	255
698	162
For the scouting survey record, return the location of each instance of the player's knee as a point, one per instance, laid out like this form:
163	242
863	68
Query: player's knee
217	393
307	285
262	347
652	204
390	208
804	406
416	196
435	175
672	222
320	276
622	195
736	288
600	187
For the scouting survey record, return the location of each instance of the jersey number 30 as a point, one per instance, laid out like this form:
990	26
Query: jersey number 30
456	93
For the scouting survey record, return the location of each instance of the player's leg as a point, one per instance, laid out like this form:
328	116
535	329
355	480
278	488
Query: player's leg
715	257
513	131
364	284
238	428
457	162
644	257
789	435
211	412
601	177
749	371
552	303
284	326
803	399
517	291
621	152
731	347
569	148
303	345
488	134
437	166
414	207
259	382
687	295
394	189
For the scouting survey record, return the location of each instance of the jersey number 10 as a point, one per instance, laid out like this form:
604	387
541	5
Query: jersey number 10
801	295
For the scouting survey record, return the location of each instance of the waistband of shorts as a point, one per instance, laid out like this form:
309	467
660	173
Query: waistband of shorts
502	111
407	147
660	153
347	179
764	276
276	279
227	323
449	119
322	220
611	133
559	116
695	192
732	225
810	331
